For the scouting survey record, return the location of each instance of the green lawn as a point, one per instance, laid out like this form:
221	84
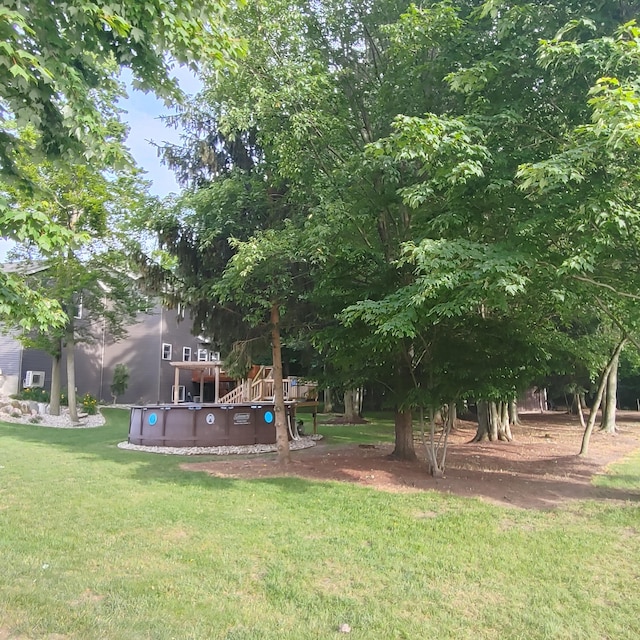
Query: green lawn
100	543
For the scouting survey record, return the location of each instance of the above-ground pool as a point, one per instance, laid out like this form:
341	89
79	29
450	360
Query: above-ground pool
205	425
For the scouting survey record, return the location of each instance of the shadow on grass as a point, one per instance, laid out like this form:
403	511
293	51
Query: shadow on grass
525	483
100	444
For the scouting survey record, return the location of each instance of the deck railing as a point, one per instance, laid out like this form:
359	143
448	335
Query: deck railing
261	388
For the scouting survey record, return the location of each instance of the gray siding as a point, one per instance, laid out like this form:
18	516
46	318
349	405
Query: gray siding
10	350
177	333
10	357
36	360
150	376
139	352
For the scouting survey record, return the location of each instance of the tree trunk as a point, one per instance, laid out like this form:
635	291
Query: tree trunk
282	433
514	418
351	406
70	343
328	401
580	406
504	424
493	422
575	407
482	433
584	449
451	416
436	448
54	398
608	424
404	447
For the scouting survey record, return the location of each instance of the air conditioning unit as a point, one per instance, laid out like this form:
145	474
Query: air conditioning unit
34	379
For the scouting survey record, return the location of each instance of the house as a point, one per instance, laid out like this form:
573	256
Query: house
153	342
10	364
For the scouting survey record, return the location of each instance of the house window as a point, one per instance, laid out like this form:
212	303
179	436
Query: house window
214	356
186	354
203	355
77	311
166	351
180	393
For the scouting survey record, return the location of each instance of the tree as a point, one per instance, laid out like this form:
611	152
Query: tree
593	182
263	278
514	110
56	54
89	281
57	61
416	142
235	247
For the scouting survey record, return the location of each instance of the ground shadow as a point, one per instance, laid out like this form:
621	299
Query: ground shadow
540	469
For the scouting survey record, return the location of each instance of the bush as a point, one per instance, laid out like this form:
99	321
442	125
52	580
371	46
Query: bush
36	394
89	404
120	381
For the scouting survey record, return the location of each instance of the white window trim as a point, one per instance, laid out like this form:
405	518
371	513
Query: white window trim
164	351
181	392
78	309
203	355
186	354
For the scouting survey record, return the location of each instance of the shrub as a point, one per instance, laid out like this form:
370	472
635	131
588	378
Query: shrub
89	404
36	394
120	381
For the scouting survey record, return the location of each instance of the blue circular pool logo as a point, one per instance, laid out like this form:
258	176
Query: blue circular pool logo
268	417
153	418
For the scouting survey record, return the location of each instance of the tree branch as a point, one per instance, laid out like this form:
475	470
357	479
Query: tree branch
606	286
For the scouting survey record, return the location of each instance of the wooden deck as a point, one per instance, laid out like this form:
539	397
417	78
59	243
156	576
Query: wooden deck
260	388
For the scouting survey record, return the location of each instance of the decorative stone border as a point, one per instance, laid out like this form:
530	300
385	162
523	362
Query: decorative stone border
304	442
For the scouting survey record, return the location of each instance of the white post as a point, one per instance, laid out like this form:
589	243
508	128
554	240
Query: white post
176	384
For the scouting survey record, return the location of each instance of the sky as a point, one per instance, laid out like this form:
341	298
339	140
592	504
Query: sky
143	113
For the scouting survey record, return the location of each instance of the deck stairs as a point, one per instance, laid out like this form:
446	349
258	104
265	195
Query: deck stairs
260	388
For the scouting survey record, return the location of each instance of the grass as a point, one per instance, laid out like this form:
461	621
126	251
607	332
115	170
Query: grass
358	433
101	543
624	475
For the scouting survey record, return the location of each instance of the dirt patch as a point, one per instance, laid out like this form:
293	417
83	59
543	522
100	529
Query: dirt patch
540	469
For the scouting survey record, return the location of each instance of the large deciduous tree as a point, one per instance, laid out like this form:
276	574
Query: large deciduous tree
90	277
436	150
55	55
57	61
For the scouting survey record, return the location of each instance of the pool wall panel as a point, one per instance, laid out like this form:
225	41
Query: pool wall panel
203	425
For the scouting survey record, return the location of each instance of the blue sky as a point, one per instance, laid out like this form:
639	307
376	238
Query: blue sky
143	111
143	116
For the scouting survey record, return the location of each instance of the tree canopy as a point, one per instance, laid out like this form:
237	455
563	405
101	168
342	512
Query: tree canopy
59	68
466	176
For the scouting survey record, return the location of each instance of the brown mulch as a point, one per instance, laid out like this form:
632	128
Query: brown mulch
539	469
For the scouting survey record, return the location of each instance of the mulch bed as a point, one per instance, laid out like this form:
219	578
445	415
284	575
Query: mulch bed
539	469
